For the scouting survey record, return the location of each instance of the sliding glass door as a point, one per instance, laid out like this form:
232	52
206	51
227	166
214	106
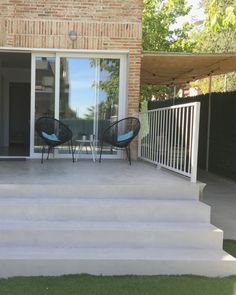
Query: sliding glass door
77	97
108	97
44	92
83	92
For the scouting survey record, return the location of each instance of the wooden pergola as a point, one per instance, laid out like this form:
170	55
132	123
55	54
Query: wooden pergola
178	69
163	68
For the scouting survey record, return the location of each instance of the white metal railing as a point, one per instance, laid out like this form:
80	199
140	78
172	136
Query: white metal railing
169	138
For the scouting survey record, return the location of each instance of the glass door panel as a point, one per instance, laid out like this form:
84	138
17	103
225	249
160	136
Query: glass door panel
108	97
82	92
44	91
77	97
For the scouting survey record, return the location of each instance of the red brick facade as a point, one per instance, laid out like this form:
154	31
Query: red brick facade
100	25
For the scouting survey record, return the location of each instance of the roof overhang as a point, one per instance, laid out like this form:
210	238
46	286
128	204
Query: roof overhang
158	68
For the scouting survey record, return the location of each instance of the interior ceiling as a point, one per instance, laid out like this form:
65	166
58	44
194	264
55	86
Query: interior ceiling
181	68
15	60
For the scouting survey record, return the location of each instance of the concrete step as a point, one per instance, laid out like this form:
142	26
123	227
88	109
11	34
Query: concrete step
17	261
55	229
182	190
110	234
103	209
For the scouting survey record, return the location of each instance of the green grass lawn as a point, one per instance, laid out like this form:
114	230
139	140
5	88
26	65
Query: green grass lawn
122	285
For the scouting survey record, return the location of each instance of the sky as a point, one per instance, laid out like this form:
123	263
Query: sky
196	13
81	77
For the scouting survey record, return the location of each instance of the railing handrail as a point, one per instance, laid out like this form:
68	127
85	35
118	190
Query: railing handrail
170	138
172	107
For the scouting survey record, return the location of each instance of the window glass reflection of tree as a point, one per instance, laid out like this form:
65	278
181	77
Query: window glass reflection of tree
108	86
109	89
65	109
45	86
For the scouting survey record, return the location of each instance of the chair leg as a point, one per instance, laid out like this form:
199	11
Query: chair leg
49	149
128	153
43	150
72	151
101	152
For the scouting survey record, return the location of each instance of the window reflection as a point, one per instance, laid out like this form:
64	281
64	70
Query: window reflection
108	101
45	86
109	89
88	95
77	93
44	91
77	96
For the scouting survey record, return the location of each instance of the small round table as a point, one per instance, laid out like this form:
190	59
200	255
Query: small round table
80	143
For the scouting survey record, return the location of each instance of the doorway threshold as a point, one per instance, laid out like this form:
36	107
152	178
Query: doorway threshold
12	158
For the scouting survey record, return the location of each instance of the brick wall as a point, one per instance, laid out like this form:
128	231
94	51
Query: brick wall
100	25
85	10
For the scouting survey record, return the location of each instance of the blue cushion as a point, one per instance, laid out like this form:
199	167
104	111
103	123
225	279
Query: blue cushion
51	137
125	136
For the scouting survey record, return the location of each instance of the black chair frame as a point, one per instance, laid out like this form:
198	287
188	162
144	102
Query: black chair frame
53	126
110	135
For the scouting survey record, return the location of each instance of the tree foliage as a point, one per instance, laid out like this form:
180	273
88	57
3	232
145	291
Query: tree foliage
221	15
216	36
108	86
159	33
220	83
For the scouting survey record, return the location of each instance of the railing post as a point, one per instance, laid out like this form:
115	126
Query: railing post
194	158
139	138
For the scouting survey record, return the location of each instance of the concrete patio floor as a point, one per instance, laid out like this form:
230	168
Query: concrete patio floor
220	194
59	171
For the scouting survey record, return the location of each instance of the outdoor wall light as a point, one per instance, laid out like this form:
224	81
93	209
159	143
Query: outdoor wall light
72	35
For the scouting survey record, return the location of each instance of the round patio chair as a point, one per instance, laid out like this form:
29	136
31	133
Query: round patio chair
120	134
53	133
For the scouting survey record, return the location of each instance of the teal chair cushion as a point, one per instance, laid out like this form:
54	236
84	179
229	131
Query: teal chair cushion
125	136
51	137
